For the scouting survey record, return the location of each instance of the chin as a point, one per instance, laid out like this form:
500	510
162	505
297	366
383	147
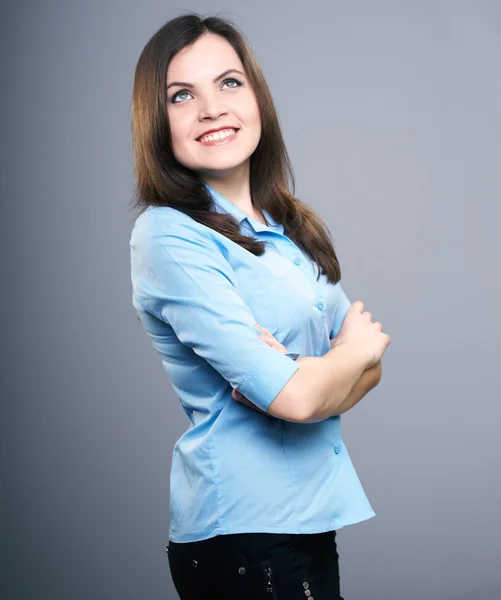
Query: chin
220	163
221	166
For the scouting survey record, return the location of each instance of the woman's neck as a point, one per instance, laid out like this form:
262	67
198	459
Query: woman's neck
236	189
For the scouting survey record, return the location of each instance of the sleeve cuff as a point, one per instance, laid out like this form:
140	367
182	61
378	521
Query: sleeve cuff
267	378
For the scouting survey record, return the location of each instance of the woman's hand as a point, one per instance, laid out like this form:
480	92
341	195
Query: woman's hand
267	338
361	333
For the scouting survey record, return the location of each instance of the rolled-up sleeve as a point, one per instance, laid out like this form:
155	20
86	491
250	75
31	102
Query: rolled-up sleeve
180	276
342	307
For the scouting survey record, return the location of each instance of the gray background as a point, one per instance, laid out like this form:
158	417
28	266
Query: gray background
391	114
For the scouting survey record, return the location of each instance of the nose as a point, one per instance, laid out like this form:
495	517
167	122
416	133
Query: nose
211	108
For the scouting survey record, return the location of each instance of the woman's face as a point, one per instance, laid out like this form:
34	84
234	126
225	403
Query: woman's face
197	103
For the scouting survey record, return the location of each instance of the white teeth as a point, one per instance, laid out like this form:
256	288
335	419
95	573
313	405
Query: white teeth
219	135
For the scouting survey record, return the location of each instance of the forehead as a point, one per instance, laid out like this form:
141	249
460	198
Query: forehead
209	56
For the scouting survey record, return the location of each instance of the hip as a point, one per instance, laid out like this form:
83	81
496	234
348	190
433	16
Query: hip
271	566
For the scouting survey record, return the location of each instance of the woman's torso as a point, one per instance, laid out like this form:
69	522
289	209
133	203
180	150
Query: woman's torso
235	470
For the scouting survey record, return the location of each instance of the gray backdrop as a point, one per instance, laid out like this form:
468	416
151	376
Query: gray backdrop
391	114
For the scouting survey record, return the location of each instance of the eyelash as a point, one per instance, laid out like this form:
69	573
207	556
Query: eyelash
174	96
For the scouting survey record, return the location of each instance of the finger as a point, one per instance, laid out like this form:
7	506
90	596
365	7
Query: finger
264	330
358	306
274	344
267	335
236	395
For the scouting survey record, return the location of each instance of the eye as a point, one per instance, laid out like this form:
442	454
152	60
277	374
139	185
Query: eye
174	97
239	83
177	97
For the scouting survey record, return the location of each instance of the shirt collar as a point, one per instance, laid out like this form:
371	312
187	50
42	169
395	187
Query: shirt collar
222	204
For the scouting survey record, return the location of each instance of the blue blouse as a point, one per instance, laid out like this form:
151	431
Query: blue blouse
198	295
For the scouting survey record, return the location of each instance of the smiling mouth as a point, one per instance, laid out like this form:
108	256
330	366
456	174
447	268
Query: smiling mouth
218	137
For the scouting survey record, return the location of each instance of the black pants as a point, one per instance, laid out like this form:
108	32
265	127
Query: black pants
267	566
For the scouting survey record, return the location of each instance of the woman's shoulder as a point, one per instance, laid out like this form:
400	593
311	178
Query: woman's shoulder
168	226
163	214
164	219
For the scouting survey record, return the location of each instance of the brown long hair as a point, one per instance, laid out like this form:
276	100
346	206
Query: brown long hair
162	181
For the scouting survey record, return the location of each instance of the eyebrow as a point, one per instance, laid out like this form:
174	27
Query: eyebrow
190	85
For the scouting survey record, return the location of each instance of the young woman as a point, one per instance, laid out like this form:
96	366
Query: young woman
233	279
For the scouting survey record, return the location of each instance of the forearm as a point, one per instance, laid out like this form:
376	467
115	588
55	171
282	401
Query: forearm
369	379
328	380
331	384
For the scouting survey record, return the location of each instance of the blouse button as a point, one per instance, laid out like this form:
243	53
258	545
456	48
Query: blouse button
337	449
195	563
297	261
320	306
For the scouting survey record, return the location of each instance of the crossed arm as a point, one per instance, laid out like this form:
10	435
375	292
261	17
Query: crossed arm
368	380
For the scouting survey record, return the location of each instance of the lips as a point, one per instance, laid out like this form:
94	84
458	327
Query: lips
216	130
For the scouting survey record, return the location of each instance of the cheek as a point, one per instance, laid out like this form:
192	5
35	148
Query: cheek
248	110
177	147
177	132
257	130
255	117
